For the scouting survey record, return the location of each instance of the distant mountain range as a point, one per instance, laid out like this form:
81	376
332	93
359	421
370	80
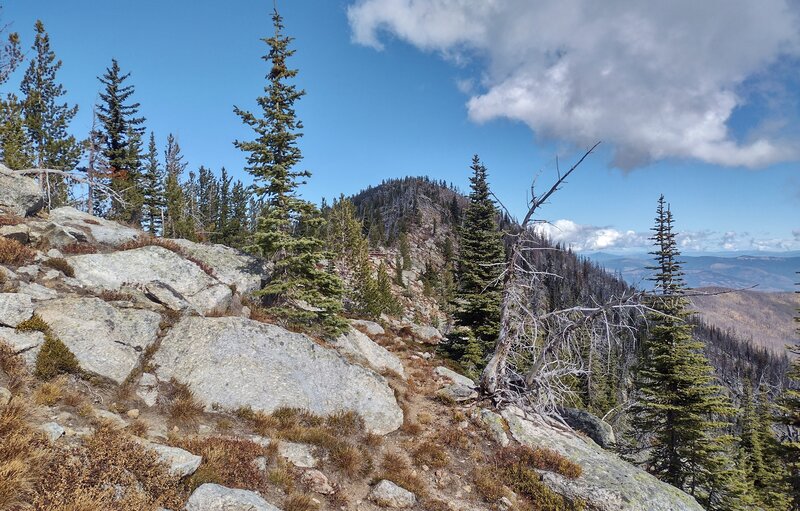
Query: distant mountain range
766	271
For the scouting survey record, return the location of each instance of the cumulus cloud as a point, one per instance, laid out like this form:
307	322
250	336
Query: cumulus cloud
655	79
590	238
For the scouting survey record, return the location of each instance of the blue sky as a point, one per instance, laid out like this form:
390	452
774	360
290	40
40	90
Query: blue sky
403	87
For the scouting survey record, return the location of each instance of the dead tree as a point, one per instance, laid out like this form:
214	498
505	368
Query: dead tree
537	350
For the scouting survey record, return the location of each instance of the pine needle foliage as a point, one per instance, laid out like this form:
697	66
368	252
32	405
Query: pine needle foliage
303	291
679	405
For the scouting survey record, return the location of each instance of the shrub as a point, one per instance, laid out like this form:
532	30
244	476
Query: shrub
14	253
55	358
227	461
78	249
60	264
34	324
10	219
396	468
88	476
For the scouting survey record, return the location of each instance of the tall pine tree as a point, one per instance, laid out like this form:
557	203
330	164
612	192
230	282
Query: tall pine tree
300	290
46	121
177	222
790	418
16	151
679	404
119	121
153	198
480	263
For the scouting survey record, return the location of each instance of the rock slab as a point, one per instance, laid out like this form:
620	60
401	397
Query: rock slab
236	362
231	267
105	339
14	308
142	266
608	483
19	195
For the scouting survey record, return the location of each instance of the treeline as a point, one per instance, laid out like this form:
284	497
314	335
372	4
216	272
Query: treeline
130	177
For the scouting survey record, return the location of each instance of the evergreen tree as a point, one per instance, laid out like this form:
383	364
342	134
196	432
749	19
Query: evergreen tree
45	120
678	401
119	123
15	147
207	202
790	418
480	263
153	198
405	251
10	54
238	225
177	224
300	290
222	220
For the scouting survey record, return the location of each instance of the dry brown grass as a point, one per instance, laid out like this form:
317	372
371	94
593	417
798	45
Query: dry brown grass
49	393
60	264
183	409
431	454
88	476
10	219
515	468
341	434
227	461
12	365
22	451
115	296
14	253
138	427
396	468
299	502
78	249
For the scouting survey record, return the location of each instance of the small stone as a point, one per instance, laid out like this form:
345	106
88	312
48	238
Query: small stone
213	497
133	413
458	393
317	482
51	275
504	503
181	463
53	431
111	417
454	376
260	463
388	494
54	253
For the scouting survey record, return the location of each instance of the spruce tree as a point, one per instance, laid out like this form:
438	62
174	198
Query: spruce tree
238	226
177	223
153	198
16	151
119	121
46	121
679	405
300	290
222	220
480	263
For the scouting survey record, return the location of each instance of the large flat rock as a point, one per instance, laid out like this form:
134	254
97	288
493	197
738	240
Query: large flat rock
608	483
213	497
14	308
105	339
236	362
144	265
230	266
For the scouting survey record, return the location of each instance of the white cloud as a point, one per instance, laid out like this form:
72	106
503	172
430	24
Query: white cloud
590	238
656	79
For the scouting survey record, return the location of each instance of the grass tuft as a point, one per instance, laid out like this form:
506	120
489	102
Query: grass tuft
14	253
299	502
55	358
183	409
60	264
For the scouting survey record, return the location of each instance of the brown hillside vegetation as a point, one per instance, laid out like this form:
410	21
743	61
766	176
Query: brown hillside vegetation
765	319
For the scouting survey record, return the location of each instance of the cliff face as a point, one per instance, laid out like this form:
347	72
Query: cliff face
138	373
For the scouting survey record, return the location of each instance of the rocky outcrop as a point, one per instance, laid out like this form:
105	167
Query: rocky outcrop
230	266
213	497
25	344
358	345
388	494
149	264
607	483
19	195
236	362
89	228
594	427
105	339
